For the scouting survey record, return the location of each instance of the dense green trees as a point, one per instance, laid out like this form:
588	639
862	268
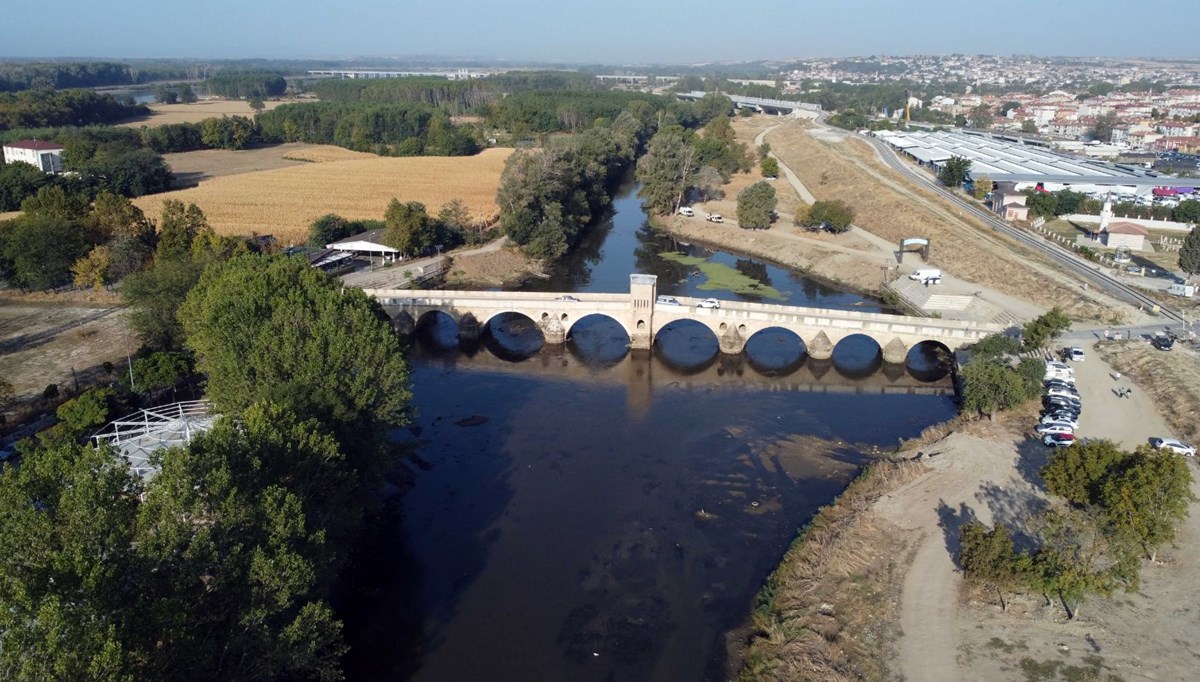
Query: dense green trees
244	85
835	216
955	171
991	385
227	132
19	181
756	206
667	170
456	97
1045	328
41	108
38	249
400	129
548	196
410	229
769	167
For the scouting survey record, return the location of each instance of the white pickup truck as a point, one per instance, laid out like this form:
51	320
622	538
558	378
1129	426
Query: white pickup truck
714	218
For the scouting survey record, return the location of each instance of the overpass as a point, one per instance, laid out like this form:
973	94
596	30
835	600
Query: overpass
642	318
762	104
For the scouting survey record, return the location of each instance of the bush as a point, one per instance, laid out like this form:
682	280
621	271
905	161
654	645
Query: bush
834	216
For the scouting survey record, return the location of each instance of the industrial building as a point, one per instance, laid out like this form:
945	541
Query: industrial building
1026	165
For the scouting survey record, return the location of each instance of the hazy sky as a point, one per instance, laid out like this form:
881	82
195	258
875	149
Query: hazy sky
597	31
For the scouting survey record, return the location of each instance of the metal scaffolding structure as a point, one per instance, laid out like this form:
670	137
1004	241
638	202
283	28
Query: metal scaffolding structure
139	435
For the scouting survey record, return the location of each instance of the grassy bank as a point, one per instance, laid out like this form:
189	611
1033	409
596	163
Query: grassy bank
830	611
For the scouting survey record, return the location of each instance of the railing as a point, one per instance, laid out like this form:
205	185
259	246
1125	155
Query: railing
153	420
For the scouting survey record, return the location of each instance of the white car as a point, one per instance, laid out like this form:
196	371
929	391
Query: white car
1059	375
1076	354
1059	366
714	218
667	300
709	303
1054	427
1054	418
1062	393
1173	445
687	211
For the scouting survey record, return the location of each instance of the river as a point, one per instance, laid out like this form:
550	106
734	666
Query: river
586	513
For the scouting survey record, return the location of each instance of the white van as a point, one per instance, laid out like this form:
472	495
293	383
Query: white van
687	211
926	275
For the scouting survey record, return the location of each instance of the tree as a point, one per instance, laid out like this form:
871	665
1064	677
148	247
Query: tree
981	186
955	171
54	202
455	218
186	94
90	409
1009	106
115	217
1188	211
769	167
1029	126
1078	557
18	181
710	184
273	327
1189	254
154	297
1102	129
160	370
1079	472
256	103
756	206
981	117
990	386
1145	497
227	132
1041	204
835	216
165	95
667	171
1045	328
327	229
989	558
178	228
409	228
92	269
41	249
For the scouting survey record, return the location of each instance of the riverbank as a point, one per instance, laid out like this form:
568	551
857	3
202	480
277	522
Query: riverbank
849	261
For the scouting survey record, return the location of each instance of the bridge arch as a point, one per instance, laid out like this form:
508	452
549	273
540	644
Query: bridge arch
512	333
775	350
685	343
438	326
597	338
929	360
857	355
569	321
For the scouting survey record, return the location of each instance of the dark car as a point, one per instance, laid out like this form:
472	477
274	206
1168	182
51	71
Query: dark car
1162	342
1057	403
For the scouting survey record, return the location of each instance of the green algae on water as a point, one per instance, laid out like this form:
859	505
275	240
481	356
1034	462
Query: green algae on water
721	277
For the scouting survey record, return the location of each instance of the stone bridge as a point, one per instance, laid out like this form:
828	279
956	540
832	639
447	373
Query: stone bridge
642	318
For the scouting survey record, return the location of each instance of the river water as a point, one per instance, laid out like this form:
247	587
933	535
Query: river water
584	513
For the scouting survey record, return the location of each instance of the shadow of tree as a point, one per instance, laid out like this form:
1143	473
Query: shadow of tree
1016	508
1032	455
951	521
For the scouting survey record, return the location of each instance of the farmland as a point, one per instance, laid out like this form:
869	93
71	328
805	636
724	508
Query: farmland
192	168
162	114
284	201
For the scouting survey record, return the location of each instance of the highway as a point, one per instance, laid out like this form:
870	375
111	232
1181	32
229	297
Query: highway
1085	270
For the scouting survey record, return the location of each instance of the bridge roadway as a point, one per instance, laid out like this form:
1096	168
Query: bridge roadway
642	317
762	104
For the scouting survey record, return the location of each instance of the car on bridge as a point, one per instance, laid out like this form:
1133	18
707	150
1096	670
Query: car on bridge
567	297
667	300
710	303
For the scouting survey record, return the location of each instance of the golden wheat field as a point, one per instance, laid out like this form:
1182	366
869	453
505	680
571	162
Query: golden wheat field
283	202
162	114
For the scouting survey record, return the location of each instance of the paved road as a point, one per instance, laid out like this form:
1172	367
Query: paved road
1085	270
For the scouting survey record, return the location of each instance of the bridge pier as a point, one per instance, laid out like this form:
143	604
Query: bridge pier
468	328
731	340
895	352
553	332
403	323
820	348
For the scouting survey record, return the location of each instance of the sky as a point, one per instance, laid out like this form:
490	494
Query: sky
598	31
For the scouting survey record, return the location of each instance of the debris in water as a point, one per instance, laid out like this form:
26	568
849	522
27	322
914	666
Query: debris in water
473	420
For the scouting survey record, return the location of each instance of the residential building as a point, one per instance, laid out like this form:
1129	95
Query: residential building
45	156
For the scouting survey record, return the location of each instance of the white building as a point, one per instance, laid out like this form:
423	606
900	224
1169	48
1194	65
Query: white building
45	156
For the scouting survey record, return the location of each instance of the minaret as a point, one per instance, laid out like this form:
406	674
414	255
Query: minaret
1106	212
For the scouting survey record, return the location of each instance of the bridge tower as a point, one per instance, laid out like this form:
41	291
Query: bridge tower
643	289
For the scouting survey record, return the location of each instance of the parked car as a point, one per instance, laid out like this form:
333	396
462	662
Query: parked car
1059	375
687	211
1173	445
567	297
709	303
1061	417
1062	393
1076	354
1059	366
1058	440
1055	427
1057	403
714	218
1162	342
667	300
1062	384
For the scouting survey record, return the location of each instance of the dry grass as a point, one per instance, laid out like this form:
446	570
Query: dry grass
1171	378
830	611
323	153
284	202
890	207
162	114
9	215
192	168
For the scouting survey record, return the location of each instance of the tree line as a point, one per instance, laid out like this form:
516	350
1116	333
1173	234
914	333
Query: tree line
244	85
456	97
64	75
399	129
44	108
